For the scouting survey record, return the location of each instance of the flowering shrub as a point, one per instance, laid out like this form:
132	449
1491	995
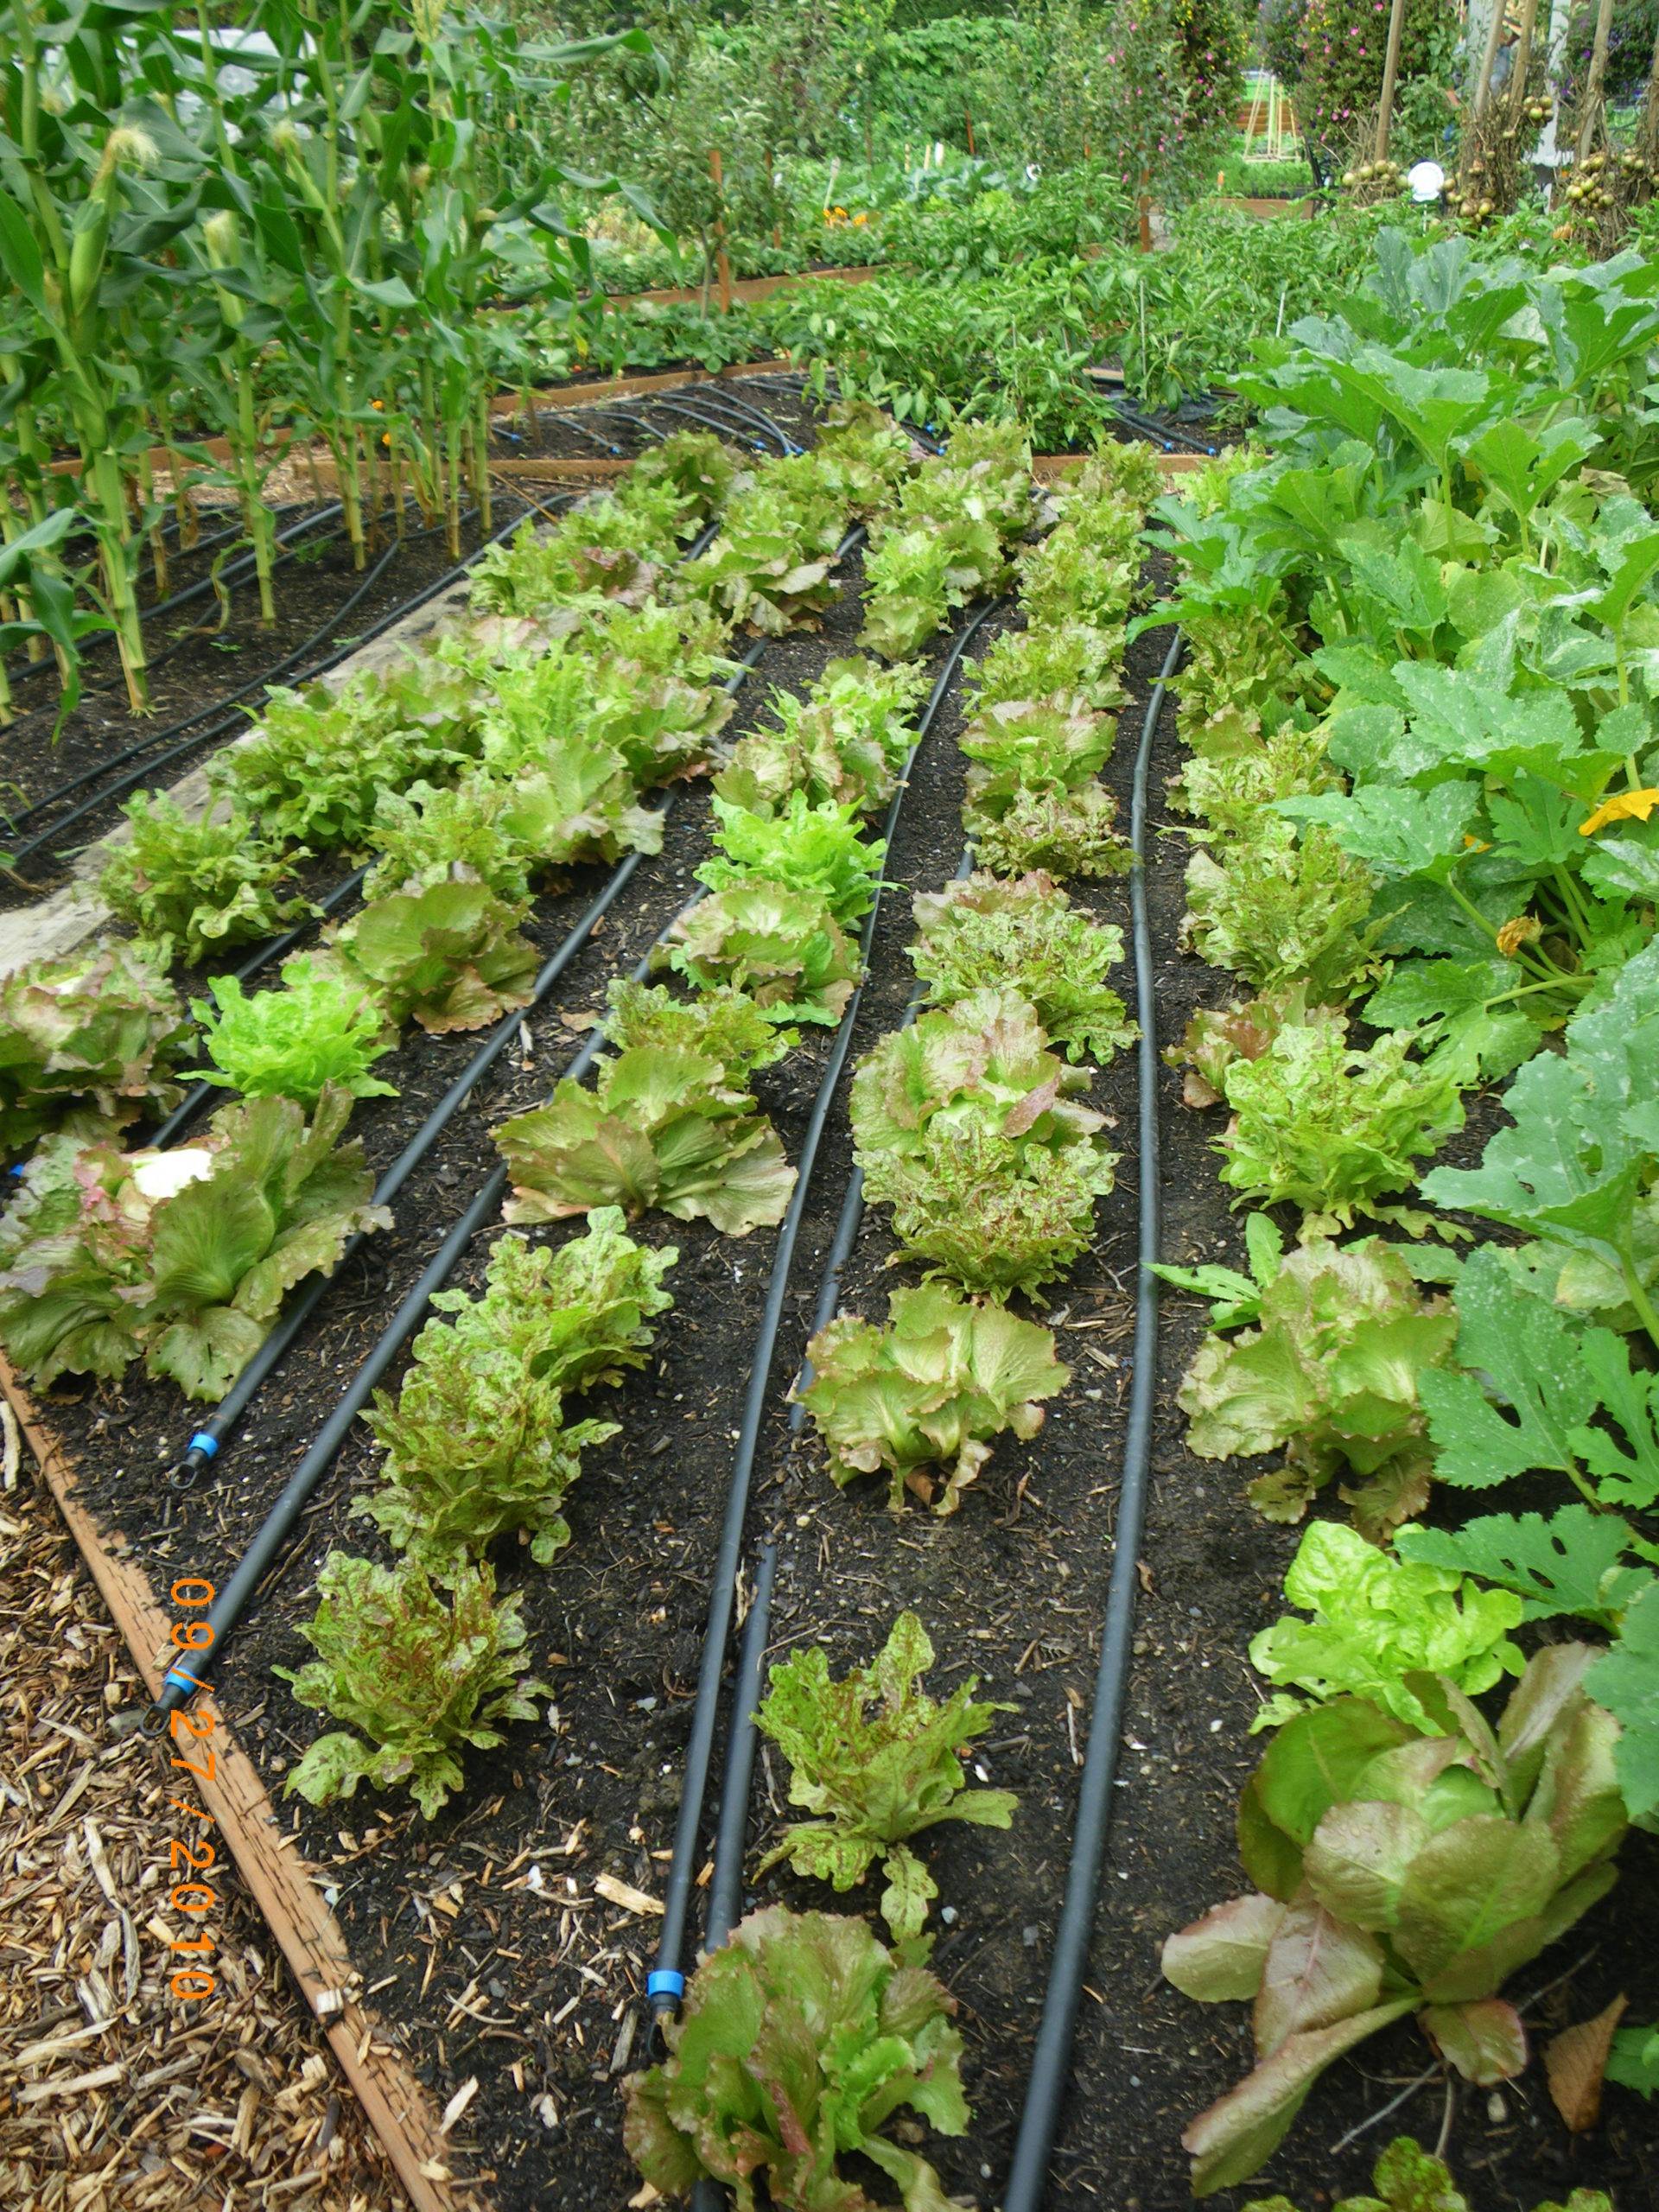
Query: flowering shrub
1342	73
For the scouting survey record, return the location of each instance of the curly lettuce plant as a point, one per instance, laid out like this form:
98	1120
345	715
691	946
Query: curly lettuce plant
323	1026
420	1673
184	1256
784	949
582	696
923	1396
872	1780
476	1442
719	1023
1334	1129
191	886
1072	662
1400	1871
1330	1375
1025	936
965	1125
797	2041
842	745
661	1128
449	956
1278	909
1065	833
816	852
771	566
96	1035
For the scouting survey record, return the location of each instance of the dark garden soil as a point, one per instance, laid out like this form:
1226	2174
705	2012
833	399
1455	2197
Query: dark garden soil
480	1937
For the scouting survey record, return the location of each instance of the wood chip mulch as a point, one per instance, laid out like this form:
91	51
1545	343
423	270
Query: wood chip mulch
115	2096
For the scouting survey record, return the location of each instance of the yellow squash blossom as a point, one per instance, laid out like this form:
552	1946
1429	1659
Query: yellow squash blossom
1623	806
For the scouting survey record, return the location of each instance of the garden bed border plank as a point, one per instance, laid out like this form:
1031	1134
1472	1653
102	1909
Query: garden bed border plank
286	1889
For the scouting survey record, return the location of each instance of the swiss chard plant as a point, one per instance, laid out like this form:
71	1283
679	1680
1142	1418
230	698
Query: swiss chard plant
1400	1871
419	1672
323	1026
96	1036
449	956
1025	937
1331	1373
191	886
796	2043
476	1441
924	1397
659	1128
966	1125
875	1760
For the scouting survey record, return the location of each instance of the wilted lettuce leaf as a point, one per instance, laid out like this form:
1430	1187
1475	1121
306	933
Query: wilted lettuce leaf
872	1780
191	886
449	956
99	1033
419	1674
1330	1128
782	949
980	933
1332	1372
1401	1872
476	1441
185	1255
930	1390
963	1124
659	1128
1377	1619
798	2040
323	1026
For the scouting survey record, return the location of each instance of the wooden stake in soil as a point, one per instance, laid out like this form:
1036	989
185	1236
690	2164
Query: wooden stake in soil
1145	210
722	265
1483	94
968	120
1390	71
1591	114
1523	64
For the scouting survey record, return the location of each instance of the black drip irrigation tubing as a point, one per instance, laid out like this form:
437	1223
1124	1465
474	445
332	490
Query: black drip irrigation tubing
180	1684
731	424
1050	2065
284	668
666	1982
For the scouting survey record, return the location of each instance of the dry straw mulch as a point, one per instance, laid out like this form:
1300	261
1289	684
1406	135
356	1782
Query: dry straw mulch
114	2096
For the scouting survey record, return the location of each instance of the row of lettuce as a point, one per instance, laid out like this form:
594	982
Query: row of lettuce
1419	704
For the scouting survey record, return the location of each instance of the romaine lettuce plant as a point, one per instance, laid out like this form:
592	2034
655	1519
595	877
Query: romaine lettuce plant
190	887
421	1674
185	1255
963	1124
449	956
929	1391
782	949
1398	1872
96	1035
1377	1619
874	1780
1334	1129
476	1442
323	1026
796	2043
980	933
1332	1374
658	1128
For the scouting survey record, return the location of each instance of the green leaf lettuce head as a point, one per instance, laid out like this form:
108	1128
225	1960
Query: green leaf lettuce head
720	1023
1330	1128
929	1391
1405	2178
1377	1619
449	956
1025	937
872	1780
1072	662
659	1128
191	886
324	1026
815	851
1400	1871
1333	1372
1033	745
1064	832
184	1256
798	2040
1276	909
965	1124
782	949
97	1035
420	1673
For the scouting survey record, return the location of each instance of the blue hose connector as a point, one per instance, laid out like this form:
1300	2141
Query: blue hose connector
665	1981
206	1445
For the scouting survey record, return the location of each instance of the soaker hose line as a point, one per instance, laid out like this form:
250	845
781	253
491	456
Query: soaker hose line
1050	2065
730	424
666	1982
209	1436
180	1683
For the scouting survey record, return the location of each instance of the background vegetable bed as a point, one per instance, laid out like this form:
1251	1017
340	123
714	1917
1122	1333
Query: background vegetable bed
486	1962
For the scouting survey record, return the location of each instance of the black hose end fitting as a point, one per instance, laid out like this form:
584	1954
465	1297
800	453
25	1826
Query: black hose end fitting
156	1720
185	1473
